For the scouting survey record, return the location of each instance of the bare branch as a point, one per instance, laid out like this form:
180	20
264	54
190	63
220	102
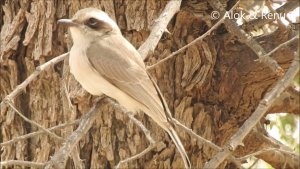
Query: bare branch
244	37
75	156
205	141
60	157
257	153
288	101
33	122
140	124
254	163
137	122
21	163
288	6
29	79
152	145
85	123
137	156
269	5
26	136
193	42
260	111
279	158
199	138
160	26
283	155
281	45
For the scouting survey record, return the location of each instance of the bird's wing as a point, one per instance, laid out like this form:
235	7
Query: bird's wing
120	64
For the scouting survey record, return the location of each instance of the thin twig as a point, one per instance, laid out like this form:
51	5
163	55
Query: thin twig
260	111
60	157
75	156
284	9
136	121
269	5
282	150
30	78
160	26
144	129
284	165
26	136
256	153
254	163
281	45
244	37
153	143
193	42
137	156
66	90
33	122
192	133
205	141
21	163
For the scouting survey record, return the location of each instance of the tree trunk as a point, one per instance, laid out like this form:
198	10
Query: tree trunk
212	87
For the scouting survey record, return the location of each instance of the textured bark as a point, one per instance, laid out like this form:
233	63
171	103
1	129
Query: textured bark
212	87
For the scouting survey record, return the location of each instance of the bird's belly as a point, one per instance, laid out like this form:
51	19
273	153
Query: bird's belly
95	84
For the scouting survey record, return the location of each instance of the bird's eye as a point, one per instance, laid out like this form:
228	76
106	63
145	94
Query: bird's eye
92	22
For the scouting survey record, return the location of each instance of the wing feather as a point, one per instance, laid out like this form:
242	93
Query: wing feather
120	64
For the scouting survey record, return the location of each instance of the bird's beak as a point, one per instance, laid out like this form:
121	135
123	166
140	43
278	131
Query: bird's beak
67	22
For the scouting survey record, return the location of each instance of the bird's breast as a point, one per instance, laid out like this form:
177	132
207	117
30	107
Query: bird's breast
84	73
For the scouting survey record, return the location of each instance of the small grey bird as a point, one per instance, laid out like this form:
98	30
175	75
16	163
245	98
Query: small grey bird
104	62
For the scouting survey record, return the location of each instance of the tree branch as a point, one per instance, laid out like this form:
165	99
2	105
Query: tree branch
254	163
288	101
153	143
30	78
160	26
260	111
26	136
205	141
60	157
193	42
282	45
244	37
199	138
279	158
137	156
288	6
256	153
282	155
33	122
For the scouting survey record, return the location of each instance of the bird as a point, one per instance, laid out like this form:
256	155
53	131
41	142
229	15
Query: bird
103	61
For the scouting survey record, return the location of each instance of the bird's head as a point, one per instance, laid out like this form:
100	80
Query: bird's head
89	23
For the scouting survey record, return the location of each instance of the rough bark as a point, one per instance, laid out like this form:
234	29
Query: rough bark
212	87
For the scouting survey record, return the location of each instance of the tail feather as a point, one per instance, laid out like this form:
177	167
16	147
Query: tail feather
180	147
170	129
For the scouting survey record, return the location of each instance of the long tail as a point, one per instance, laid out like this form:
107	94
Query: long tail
170	129
180	147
